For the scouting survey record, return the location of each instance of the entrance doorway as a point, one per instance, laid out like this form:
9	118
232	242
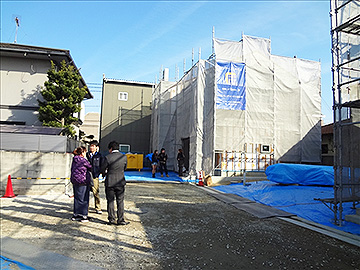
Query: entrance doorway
186	151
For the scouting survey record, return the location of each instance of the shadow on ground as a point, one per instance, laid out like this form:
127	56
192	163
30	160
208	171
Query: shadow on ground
173	226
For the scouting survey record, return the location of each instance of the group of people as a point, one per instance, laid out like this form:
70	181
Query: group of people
161	159
85	170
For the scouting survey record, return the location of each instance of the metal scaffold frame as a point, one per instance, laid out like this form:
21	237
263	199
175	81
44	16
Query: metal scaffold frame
345	33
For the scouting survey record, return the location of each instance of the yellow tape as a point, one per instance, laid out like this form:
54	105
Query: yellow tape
48	178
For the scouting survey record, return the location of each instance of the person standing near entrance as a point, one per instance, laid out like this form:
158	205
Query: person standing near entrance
113	169
154	162
95	159
181	161
162	162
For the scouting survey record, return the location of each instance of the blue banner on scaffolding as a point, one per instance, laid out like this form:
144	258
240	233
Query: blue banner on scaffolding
230	82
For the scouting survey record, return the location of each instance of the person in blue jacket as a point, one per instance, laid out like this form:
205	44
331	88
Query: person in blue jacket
95	159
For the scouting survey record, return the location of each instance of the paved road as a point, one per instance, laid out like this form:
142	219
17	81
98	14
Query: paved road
173	226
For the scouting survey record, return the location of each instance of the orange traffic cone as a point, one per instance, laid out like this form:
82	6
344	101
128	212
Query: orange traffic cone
9	193
201	182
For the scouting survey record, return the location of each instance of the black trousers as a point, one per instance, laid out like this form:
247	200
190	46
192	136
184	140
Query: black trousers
118	194
162	168
81	200
181	168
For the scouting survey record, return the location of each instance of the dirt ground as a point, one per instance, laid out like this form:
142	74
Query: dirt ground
173	226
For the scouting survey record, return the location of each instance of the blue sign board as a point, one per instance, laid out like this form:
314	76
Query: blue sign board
230	86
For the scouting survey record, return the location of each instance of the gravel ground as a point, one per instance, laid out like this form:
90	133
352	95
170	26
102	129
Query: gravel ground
173	226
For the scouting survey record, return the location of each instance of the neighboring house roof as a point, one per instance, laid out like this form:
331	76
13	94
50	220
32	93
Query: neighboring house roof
327	129
128	82
34	52
30	129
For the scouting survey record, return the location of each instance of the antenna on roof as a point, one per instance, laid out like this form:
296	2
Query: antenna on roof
161	75
213	37
17	22
176	72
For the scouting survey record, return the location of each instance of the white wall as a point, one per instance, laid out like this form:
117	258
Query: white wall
35	165
91	124
21	82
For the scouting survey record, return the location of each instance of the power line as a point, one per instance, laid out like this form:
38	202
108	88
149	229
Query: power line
328	106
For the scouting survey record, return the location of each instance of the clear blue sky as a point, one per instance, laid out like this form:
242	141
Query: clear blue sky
132	40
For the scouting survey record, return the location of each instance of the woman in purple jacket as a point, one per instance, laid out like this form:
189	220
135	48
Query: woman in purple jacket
81	180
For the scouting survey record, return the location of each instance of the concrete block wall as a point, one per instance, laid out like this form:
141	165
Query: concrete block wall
35	165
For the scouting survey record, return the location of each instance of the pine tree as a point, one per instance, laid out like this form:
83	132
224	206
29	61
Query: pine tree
62	97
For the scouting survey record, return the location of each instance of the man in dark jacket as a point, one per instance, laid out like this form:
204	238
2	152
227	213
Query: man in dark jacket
181	161
162	162
95	159
113	168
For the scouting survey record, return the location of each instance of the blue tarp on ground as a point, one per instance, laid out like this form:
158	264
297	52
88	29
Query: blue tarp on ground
298	200
305	175
7	263
146	175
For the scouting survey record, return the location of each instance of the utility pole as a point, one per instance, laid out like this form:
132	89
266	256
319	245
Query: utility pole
192	57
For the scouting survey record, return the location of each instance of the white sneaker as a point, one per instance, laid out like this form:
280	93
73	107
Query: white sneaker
84	219
98	212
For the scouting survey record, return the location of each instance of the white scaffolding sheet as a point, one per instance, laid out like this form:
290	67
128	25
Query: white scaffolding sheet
283	108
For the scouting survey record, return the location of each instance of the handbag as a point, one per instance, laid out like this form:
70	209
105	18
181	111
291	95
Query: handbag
89	178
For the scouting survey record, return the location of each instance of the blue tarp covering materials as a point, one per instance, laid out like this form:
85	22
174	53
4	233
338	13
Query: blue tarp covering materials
298	200
305	175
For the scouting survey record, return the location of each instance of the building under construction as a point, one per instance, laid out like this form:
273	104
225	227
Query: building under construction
242	109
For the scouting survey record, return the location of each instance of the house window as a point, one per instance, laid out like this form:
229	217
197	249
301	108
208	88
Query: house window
123	96
125	148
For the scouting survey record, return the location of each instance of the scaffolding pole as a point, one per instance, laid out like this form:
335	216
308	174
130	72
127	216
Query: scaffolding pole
345	26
